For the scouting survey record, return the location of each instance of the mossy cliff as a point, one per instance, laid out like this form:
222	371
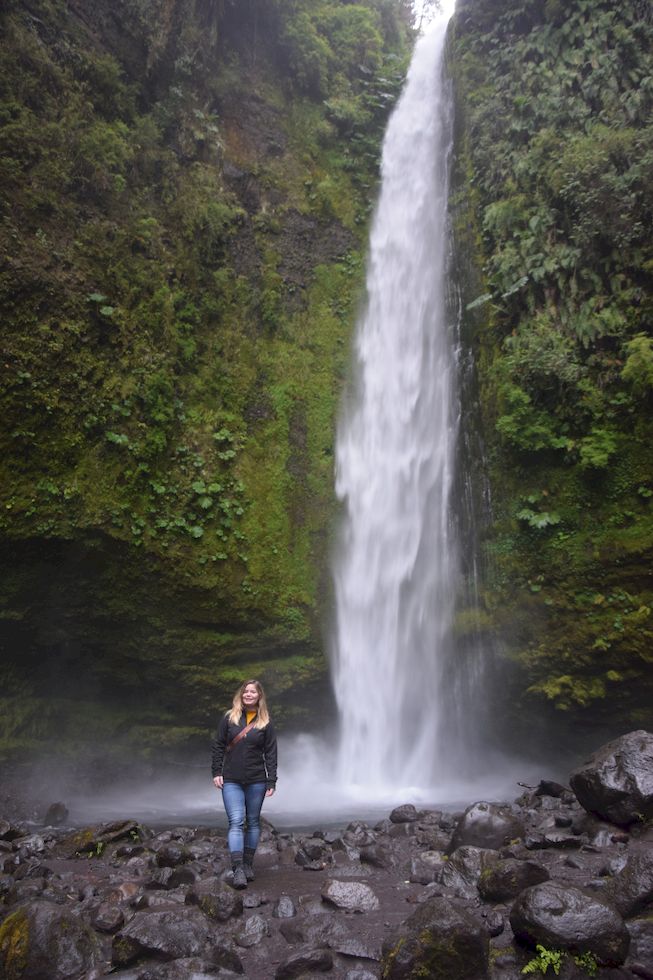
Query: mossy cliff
185	190
553	207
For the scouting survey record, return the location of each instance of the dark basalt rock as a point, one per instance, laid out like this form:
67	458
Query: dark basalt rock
506	879
254	931
617	781
563	917
284	908
350	896
426	867
641	946
441	941
56	814
167	934
631	889
487	825
464	868
216	899
50	944
305	962
406	813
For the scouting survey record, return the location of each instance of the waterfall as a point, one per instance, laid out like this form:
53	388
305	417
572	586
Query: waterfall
396	567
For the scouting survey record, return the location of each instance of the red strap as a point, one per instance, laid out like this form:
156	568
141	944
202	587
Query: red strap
240	735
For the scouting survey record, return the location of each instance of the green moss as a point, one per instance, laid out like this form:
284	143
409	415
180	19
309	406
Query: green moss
558	301
14	944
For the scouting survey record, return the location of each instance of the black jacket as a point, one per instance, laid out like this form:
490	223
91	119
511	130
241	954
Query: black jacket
252	760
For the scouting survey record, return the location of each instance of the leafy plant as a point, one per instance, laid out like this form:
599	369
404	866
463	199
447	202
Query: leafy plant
545	958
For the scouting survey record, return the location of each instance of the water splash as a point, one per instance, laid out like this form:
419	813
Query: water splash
396	568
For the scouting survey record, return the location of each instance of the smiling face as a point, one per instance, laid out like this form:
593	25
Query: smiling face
250	697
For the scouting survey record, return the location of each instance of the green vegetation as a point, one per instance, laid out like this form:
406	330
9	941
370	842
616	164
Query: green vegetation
182	218
554	196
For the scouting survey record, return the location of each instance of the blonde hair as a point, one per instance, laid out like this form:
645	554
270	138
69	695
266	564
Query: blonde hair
237	708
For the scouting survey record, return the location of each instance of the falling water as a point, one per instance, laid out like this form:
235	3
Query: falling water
396	570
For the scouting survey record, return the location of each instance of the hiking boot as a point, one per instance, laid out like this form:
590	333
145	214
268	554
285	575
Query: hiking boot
239	878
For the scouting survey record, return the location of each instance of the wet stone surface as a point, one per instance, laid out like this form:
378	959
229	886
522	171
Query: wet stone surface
475	891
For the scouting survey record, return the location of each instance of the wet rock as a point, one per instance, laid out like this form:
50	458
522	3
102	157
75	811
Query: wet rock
349	896
406	813
284	908
172	854
109	918
166	934
253	899
641	944
56	814
191	968
504	880
562	917
440	936
25	890
432	837
378	855
355	948
494	922
462	872
254	931
43	941
95	839
358	835
305	961
426	867
631	890
487	825
548	787
216	899
617	781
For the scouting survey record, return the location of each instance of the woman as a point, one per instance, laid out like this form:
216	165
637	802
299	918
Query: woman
245	769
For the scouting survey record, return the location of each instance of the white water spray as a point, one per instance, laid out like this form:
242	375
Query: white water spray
396	569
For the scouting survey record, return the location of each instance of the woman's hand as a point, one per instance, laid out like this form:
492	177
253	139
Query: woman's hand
270	791
218	782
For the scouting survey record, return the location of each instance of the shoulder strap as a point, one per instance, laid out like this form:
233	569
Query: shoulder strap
241	734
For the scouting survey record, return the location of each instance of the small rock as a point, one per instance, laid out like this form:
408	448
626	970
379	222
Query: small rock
350	896
108	918
284	908
254	931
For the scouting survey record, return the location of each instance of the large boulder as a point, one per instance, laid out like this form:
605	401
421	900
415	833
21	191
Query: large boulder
441	941
463	870
43	941
559	916
616	783
506	879
167	934
487	825
631	889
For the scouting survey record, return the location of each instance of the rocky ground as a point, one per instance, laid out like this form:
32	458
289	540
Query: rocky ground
559	882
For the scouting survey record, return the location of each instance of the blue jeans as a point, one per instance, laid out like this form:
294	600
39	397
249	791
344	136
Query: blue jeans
241	802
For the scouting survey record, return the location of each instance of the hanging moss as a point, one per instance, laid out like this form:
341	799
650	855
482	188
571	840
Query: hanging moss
553	174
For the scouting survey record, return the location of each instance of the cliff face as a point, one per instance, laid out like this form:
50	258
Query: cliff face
185	190
553	206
